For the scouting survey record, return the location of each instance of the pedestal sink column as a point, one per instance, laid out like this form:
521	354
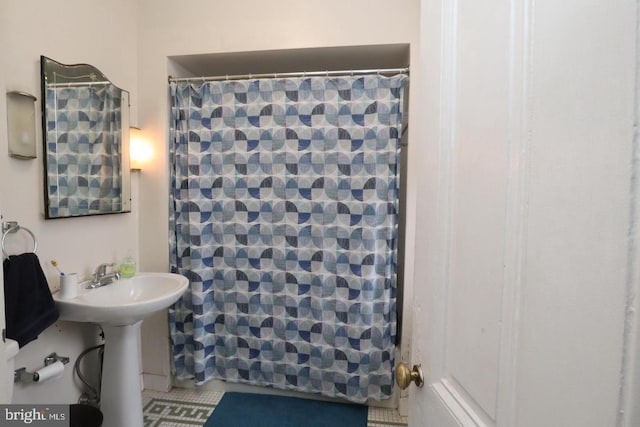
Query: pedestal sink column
121	397
123	302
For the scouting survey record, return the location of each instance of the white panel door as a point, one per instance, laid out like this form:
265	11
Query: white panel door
522	284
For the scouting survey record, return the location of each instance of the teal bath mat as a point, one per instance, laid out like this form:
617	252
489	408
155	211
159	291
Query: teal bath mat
257	410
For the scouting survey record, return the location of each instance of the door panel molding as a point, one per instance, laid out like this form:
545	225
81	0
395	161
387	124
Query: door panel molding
451	408
629	411
521	69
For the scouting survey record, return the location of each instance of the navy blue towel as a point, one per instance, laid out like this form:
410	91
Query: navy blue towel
29	306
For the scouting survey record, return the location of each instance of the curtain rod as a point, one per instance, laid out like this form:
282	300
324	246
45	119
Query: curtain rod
293	74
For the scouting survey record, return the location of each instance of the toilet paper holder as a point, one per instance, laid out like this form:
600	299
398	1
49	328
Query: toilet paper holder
23	375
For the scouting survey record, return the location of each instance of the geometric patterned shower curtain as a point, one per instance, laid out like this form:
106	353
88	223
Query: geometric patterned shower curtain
284	217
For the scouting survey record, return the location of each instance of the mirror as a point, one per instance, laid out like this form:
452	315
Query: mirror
85	122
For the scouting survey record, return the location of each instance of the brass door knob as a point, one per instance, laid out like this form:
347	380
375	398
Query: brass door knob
404	375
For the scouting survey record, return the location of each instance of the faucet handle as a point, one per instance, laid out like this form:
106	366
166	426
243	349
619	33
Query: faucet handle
101	270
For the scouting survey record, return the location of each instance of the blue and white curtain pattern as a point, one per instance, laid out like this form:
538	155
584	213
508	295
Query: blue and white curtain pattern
284	218
83	142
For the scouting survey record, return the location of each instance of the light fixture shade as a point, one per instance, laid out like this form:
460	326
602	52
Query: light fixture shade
21	123
140	149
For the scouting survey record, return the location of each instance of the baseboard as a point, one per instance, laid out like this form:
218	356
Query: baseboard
403	405
221	386
156	382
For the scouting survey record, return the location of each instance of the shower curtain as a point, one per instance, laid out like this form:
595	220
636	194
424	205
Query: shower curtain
84	160
284	206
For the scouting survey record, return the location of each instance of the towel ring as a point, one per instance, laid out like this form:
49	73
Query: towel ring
13	227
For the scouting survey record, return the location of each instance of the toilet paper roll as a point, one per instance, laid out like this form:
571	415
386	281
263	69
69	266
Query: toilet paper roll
55	370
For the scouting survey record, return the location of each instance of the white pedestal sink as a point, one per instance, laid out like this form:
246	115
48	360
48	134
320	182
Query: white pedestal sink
120	308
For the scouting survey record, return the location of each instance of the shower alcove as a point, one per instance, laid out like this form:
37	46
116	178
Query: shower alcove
365	57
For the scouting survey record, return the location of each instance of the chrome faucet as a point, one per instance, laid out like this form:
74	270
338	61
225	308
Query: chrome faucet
101	277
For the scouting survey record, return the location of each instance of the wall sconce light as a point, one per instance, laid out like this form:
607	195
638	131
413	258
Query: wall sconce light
21	123
140	149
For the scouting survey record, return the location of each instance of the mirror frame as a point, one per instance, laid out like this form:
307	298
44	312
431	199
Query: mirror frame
94	76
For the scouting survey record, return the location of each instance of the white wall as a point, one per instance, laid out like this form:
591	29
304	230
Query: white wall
73	31
203	27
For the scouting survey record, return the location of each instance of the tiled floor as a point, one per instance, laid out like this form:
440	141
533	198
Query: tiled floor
192	407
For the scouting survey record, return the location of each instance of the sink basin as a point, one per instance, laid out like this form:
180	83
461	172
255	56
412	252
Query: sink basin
125	301
120	308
